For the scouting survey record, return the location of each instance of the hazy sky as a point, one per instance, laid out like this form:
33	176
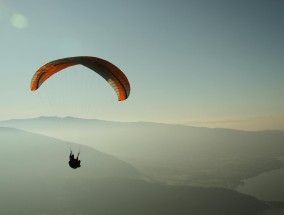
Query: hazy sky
216	63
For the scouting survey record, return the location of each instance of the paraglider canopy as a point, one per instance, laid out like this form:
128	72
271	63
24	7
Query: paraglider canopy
112	74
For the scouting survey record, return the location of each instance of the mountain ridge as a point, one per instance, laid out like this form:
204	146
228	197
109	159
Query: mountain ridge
172	153
130	122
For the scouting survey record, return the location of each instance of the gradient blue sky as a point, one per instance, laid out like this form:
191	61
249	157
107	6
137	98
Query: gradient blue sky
215	63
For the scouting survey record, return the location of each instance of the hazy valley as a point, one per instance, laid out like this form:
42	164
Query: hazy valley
36	179
173	154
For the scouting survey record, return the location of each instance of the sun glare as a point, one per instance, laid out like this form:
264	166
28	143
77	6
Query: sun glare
19	21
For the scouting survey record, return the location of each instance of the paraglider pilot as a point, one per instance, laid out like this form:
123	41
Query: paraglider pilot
74	162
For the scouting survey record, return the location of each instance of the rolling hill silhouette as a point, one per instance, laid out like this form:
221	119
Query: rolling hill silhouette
172	153
26	155
36	179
